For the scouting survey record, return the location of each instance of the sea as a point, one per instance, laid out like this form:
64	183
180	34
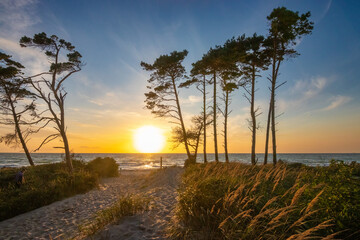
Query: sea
133	161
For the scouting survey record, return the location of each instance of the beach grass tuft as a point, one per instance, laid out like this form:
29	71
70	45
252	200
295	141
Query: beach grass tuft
128	205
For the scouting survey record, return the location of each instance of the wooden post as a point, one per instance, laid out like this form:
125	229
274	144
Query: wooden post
160	162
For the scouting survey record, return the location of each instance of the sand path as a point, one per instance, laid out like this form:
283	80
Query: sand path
161	188
60	220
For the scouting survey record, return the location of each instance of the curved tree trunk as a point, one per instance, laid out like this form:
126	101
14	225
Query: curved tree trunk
68	159
181	121
19	133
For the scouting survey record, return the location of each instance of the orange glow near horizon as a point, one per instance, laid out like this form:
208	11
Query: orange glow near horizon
149	139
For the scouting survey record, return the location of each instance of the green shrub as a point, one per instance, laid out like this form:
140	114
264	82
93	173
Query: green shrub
104	167
239	201
44	184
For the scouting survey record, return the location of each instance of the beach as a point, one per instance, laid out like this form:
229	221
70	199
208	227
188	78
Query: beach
61	219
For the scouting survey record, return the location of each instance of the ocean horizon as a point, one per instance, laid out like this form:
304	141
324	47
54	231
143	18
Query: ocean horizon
133	161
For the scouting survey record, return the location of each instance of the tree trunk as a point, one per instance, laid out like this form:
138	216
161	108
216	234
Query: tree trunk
253	118
225	126
272	103
181	120
67	151
267	134
204	116
19	133
273	124
214	121
197	143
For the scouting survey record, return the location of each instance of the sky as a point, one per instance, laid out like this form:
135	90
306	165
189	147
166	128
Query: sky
319	106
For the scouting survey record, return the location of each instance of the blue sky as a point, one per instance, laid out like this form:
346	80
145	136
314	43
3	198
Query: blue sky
320	100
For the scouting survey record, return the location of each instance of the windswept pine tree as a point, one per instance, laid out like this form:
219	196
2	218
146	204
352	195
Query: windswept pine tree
229	83
48	86
252	59
14	111
286	28
163	97
198	73
216	63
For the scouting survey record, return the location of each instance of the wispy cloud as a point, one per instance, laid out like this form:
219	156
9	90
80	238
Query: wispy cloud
191	100
17	16
336	102
34	61
302	92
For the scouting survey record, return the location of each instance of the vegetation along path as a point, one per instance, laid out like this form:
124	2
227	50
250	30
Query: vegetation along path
60	220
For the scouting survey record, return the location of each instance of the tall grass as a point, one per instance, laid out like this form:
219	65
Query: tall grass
125	206
238	201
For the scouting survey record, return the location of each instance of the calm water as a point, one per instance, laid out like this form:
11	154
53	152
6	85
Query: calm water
140	160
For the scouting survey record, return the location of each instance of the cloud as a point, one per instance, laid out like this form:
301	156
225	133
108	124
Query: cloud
336	102
34	60
17	16
191	100
302	92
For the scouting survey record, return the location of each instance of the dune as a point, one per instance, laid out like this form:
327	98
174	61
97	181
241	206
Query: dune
60	220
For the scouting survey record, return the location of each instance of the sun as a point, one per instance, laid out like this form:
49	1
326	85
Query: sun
149	139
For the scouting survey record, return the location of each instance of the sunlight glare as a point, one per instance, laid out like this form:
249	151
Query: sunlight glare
149	139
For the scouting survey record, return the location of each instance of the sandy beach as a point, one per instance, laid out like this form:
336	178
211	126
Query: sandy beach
60	220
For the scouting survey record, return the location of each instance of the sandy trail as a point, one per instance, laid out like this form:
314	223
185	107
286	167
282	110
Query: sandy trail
161	188
60	220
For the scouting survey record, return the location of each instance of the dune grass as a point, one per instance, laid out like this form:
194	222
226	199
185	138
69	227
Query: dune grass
125	206
238	201
48	183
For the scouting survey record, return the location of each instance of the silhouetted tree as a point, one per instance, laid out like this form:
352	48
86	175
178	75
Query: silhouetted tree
252	59
286	27
12	92
198	73
216	62
228	88
163	97
229	82
193	134
51	89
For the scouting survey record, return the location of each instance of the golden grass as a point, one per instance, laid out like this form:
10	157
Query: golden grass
125	206
238	201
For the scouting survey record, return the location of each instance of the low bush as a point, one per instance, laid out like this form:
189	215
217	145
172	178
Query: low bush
44	184
104	167
239	201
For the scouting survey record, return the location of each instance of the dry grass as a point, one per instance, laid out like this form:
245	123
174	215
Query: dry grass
124	206
238	201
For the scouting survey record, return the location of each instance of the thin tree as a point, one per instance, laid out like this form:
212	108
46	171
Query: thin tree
198	73
216	64
286	27
252	60
163	97
12	92
48	86
229	82
227	88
